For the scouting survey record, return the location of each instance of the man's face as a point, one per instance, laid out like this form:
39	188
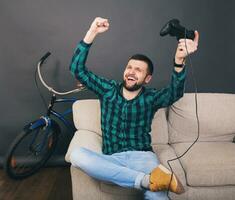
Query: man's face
135	75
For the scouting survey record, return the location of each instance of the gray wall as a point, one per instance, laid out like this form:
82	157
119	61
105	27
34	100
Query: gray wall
29	28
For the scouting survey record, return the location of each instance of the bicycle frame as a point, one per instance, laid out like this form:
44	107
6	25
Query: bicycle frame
46	120
61	116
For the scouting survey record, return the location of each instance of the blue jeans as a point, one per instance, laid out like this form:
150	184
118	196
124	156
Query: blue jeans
125	169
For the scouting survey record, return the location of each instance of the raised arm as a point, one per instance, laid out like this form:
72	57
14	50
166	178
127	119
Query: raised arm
175	90
185	47
99	25
78	68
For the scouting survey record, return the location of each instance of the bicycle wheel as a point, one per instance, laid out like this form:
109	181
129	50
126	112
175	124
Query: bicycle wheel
30	150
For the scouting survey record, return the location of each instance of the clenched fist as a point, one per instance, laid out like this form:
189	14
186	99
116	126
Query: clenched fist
99	25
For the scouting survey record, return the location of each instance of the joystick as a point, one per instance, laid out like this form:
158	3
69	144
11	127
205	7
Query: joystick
173	28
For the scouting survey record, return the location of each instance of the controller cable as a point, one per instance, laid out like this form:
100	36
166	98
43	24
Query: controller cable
198	124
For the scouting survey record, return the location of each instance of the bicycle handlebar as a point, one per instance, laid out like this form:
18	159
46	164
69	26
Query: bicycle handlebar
43	58
40	63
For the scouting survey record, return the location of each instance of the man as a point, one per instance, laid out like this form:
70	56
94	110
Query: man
127	110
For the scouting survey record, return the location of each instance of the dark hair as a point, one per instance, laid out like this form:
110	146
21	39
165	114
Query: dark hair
145	59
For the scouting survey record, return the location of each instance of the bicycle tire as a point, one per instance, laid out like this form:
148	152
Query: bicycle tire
17	165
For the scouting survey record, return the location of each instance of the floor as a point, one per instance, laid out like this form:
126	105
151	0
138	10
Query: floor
47	184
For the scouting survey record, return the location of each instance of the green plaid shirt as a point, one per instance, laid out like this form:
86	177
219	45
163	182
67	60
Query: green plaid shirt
125	124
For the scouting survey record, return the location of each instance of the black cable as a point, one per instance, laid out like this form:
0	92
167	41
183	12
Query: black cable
198	124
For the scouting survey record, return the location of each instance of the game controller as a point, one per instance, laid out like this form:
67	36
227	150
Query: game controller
173	28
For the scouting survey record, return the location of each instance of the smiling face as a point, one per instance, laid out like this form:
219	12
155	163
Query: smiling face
136	75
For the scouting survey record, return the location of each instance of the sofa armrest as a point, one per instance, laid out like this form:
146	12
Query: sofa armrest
87	139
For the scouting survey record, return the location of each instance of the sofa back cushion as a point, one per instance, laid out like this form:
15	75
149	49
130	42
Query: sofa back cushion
216	114
86	116
159	127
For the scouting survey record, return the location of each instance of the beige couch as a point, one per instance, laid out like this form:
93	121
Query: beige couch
207	170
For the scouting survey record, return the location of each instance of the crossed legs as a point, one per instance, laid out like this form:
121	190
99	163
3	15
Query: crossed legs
125	169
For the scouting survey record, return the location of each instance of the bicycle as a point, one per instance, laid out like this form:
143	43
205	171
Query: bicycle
32	148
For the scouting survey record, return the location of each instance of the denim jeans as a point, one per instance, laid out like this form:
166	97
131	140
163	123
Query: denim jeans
125	169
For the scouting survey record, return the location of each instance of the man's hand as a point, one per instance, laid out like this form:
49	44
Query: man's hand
186	47
80	85
99	25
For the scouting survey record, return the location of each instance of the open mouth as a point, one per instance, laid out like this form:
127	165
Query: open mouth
131	78
131	81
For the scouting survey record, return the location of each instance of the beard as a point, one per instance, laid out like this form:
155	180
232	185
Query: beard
132	88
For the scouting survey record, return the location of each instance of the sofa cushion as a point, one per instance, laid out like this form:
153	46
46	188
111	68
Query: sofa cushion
159	128
216	118
208	163
210	193
86	115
